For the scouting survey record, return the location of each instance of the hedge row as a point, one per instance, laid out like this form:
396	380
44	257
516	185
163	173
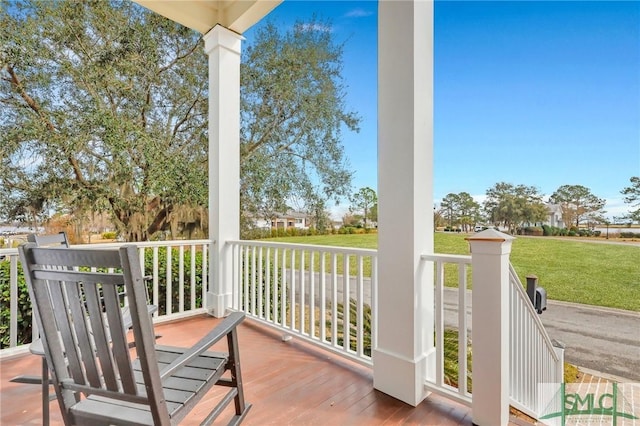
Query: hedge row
24	305
630	234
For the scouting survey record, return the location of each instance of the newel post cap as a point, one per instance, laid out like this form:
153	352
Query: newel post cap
490	240
492	235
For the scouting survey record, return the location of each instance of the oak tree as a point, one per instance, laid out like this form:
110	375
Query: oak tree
577	202
293	116
104	108
514	205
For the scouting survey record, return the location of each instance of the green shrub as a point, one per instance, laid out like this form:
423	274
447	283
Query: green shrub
24	306
571	373
532	230
353	326
275	285
347	230
109	235
629	235
175	275
451	366
547	231
450	339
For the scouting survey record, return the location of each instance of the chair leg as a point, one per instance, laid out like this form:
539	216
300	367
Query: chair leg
44	383
45	392
236	375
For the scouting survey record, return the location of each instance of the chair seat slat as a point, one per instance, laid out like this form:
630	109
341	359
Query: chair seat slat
94	411
115	396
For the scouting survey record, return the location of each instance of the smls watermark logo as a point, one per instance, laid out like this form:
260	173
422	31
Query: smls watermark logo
603	403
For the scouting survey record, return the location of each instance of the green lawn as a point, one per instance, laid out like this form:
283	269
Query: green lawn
574	271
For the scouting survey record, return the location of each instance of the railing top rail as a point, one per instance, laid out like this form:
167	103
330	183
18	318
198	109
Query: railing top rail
314	247
450	258
172	243
9	252
164	243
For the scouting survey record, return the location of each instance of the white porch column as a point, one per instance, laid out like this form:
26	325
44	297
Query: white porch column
490	251
404	355
223	47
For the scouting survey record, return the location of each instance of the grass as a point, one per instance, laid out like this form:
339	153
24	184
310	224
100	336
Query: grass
574	271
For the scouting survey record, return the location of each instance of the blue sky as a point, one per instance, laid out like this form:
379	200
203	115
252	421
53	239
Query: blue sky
535	93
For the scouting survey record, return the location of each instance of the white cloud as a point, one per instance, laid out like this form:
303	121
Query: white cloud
316	27
337	212
616	207
358	13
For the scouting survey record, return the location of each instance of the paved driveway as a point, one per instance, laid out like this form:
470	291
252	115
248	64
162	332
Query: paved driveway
601	339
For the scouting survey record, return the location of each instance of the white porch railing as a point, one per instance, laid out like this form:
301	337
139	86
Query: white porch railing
534	359
318	292
176	276
324	295
456	329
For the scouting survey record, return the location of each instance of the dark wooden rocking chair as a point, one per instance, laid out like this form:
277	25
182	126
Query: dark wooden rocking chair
84	337
59	240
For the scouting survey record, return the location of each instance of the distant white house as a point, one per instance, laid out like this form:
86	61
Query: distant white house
290	219
554	216
18	230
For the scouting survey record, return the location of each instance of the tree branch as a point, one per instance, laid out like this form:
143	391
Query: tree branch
15	81
180	57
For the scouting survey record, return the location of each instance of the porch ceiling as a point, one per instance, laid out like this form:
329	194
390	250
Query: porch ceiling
202	15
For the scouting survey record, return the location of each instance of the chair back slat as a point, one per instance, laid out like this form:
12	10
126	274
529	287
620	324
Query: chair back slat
118	337
100	337
143	332
73	257
65	333
59	239
82	332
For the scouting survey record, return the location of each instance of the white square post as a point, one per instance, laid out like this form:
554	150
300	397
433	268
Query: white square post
223	48
404	356
490	251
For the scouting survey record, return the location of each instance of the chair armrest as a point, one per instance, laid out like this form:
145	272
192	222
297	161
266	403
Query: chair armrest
225	327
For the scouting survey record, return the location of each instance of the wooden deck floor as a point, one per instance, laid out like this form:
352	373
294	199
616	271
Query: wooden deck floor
287	383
